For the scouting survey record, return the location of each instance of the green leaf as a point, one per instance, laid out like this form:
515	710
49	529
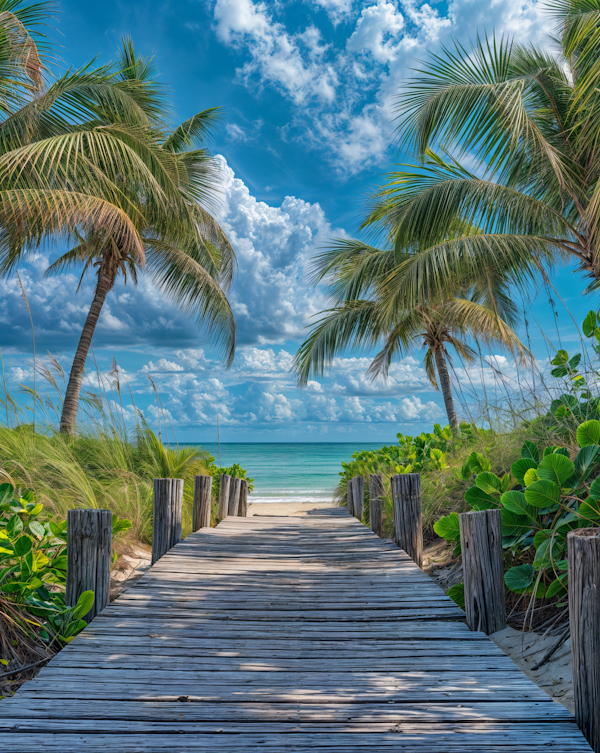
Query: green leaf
542	493
448	527
588	433
479	463
513	524
590	510
529	451
530	477
6	493
479	500
550	450
520	467
23	545
488	482
557	587
84	603
547	550
595	488
574	362
556	468
39	561
589	324
517	503
542	536
457	594
586	460
519	578
124	525
14	526
37	529
560	358
60	562
559	371
35	510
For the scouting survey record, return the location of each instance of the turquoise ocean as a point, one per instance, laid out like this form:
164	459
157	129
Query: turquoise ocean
290	472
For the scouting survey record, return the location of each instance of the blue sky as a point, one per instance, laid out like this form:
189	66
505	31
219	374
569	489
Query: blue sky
308	89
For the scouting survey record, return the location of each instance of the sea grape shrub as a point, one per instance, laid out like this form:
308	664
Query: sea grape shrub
33	566
546	495
426	452
235	471
577	403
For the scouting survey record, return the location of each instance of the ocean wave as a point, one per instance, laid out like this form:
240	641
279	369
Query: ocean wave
296	498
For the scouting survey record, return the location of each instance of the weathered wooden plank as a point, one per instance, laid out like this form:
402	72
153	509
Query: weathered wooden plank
283	634
316	713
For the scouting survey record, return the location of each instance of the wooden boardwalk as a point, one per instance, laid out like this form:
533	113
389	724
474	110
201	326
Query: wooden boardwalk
290	634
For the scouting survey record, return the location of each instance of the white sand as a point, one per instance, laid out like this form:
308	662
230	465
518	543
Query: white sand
286	508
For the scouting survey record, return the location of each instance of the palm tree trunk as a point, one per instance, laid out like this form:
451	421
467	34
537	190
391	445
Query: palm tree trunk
442	370
71	401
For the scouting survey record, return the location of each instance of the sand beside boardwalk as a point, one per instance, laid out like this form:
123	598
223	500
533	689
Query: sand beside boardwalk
286	508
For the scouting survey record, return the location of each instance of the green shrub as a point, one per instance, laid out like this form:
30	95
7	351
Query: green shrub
33	568
546	495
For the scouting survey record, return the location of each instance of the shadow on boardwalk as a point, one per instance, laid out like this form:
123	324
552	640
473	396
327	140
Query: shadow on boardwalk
284	634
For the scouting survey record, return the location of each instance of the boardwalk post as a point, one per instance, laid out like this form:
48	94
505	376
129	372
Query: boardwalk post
166	524
224	495
408	516
481	545
202	502
358	496
234	496
584	618
89	542
376	492
243	508
349	497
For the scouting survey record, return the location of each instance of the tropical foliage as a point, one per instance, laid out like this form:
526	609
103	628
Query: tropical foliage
548	492
479	310
436	456
526	121
33	564
90	159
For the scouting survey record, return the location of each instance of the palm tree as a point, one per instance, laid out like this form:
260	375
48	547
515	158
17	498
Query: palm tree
528	122
183	249
362	319
90	160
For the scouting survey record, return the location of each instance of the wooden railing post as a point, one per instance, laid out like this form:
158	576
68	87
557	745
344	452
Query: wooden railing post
584	617
224	495
408	516
234	496
166	524
202	502
376	492
358	496
89	542
243	509
481	546
349	497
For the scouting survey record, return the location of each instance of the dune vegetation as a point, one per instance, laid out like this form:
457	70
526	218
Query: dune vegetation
503	188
